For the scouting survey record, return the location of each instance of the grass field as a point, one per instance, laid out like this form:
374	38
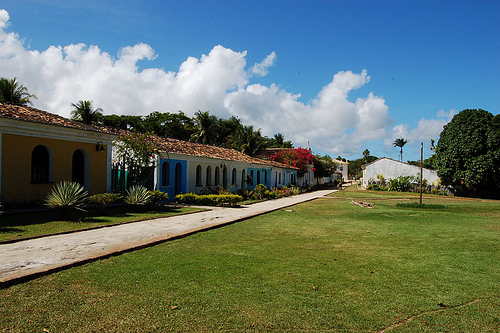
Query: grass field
49	222
322	266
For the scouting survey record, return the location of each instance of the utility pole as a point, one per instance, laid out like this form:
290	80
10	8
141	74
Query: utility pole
421	168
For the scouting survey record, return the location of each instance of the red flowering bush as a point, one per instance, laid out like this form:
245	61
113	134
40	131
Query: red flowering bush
300	158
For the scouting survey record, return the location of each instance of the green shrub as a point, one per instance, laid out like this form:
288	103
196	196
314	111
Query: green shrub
258	192
209	199
157	196
66	195
137	195
187	198
402	183
103	199
374	187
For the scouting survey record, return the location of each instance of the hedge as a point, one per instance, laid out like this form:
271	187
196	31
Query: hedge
209	199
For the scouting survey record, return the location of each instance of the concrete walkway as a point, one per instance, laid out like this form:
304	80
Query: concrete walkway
25	260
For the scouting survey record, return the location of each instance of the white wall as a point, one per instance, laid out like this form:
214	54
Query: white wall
392	169
343	168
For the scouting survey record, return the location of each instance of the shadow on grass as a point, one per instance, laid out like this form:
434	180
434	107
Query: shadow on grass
9	222
9	230
420	206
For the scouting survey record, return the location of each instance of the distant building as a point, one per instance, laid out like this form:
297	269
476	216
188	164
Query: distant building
391	169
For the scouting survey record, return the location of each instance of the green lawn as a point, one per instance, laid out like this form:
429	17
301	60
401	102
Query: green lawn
49	222
327	266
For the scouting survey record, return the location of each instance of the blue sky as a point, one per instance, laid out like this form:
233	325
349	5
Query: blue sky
343	75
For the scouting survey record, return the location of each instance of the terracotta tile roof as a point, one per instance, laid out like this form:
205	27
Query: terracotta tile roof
29	114
202	150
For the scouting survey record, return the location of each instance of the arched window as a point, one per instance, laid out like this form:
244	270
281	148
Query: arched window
280	180
78	167
40	165
243	179
224	177
198	175
178	179
209	176
217	176
165	174
251	177
233	178
258	177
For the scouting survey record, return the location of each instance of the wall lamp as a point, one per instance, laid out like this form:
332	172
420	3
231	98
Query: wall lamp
99	146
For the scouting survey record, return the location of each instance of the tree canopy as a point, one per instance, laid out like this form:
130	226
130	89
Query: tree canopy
325	166
13	92
400	142
468	154
84	112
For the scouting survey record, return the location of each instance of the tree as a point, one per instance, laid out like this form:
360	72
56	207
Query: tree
401	142
300	158
135	152
204	130
225	130
171	125
84	112
366	153
324	166
468	154
14	93
278	141
249	141
131	123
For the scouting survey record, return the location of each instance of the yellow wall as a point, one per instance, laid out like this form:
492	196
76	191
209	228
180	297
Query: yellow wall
16	166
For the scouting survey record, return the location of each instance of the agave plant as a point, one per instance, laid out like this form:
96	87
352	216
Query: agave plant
137	195
66	195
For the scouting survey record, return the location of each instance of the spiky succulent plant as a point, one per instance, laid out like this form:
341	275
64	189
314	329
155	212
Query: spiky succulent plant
66	195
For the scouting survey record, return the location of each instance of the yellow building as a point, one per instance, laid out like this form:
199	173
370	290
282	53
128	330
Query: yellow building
39	149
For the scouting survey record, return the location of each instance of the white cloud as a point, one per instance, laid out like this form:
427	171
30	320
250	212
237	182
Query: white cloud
217	81
4	18
262	68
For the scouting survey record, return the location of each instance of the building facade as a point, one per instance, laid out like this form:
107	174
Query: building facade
39	149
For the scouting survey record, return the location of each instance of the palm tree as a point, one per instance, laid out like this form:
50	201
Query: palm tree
400	143
83	112
248	141
366	153
204	128
14	93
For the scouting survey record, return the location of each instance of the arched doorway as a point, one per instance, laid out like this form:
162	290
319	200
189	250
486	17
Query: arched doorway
178	178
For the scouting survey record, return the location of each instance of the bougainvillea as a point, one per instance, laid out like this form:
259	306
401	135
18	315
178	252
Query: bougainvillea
300	158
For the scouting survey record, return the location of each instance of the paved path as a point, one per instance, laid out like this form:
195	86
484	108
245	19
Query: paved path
28	259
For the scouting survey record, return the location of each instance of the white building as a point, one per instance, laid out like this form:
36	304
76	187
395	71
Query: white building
391	169
183	166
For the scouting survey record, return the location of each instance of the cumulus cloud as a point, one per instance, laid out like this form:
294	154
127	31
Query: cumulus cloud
217	81
262	68
324	122
4	18
426	130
